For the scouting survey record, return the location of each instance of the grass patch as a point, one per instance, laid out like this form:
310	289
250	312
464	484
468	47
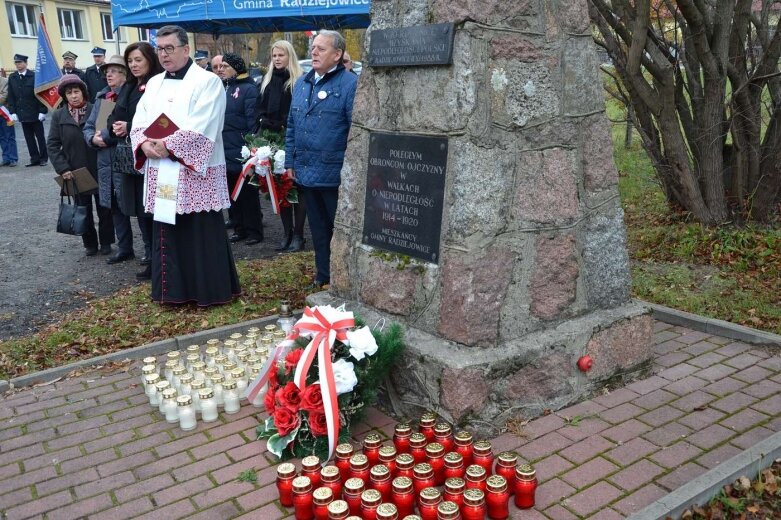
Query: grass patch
128	318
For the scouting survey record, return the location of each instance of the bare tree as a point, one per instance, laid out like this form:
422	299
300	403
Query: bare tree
701	78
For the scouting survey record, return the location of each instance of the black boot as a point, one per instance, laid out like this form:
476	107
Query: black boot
285	243
146	274
297	244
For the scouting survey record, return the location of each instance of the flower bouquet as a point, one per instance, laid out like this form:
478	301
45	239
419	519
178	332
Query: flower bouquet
264	157
321	379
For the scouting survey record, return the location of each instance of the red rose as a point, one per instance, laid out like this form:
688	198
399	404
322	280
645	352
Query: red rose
285	421
291	360
312	399
317	424
273	378
269	402
289	396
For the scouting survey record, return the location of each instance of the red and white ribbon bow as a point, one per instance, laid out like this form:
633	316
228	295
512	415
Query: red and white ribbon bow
263	169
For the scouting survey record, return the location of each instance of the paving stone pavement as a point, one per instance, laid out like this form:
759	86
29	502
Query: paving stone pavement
91	447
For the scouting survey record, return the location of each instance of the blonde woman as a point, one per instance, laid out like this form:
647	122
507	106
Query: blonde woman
271	114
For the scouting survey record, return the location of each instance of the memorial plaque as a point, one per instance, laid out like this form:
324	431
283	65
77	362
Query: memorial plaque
405	190
405	46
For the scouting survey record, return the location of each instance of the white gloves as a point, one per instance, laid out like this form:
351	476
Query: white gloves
41	117
14	118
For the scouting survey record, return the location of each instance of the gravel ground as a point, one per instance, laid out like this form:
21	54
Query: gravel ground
45	275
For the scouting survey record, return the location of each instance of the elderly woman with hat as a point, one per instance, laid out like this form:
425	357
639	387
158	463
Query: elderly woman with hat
98	137
68	152
242	94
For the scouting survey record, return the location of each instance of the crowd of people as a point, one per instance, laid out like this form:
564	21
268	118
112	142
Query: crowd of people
162	135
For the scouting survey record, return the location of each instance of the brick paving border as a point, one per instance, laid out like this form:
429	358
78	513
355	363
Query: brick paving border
90	447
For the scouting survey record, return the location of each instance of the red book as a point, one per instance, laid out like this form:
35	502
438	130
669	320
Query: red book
161	127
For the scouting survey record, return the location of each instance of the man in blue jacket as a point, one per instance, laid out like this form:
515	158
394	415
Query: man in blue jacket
321	113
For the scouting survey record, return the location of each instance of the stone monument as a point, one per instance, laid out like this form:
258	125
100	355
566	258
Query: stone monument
479	207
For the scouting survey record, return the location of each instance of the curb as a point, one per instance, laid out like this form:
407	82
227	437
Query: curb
713	326
140	352
700	490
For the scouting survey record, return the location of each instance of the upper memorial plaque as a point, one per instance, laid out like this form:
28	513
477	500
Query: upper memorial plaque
406	46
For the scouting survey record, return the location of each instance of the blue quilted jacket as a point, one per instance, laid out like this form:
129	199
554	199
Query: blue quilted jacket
317	127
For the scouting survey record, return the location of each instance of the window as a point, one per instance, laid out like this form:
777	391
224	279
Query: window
143	35
107	27
21	18
70	24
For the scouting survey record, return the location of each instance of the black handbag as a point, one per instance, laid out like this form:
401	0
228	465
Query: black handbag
123	160
72	219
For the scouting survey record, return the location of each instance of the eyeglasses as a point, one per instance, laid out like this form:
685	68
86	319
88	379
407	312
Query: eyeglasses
168	49
345	60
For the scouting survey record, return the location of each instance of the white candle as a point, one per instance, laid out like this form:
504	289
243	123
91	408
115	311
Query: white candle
231	397
217	381
208	405
197	385
169	405
185	412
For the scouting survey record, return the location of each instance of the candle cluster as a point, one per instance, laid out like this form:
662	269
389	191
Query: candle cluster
202	380
429	474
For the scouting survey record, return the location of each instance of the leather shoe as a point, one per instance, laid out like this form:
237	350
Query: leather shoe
32	164
297	244
146	274
253	240
237	238
317	285
91	251
12	163
105	249
44	162
230	224
119	257
145	260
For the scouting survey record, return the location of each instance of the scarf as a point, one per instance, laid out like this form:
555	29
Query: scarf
275	88
77	113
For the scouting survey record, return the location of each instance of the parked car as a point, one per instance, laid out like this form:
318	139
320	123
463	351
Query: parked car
306	66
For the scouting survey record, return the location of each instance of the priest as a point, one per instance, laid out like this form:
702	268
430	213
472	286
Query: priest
177	142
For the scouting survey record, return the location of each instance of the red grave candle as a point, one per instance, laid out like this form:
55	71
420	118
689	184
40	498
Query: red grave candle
351	493
404	464
474	505
422	476
380	479
475	477
443	434
505	466
454	465
331	478
428	501
525	486
417	447
435	456
403	495
302	498
464	446
497	498
359	467
286	472
371	448
401	435
388	458
370	501
426	426
310	467
454	490
321	497
483	455
342	459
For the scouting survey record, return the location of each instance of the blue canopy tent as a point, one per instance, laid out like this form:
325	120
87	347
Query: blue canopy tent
242	16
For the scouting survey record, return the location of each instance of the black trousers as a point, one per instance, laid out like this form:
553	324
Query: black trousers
245	210
36	142
321	210
105	231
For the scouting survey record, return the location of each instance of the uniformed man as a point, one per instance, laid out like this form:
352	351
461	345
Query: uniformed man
202	60
28	109
94	79
69	65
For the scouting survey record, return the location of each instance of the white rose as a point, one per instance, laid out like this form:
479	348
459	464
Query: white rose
245	153
344	375
279	161
264	152
362	343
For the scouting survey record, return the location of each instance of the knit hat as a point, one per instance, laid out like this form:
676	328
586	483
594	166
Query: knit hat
235	61
71	80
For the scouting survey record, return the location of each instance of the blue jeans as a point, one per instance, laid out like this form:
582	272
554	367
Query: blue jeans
321	210
8	143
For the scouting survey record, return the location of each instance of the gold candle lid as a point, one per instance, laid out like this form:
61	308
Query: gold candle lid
169	393
230	344
435	450
150	360
402	484
270	328
354	484
236	336
162	385
248	343
197	384
423	470
404	461
172	363
253	330
179	370
453	459
447	510
214	342
463	437
230	384
152	379
372	441
217	379
198	366
475	472
474	497
380	471
193	349
302	484
525	472
237	373
205	393
387	510
242	356
329	474
253	360
148	369
210	371
403	430
286	470
310	462
371	497
482	448
344	449
507	458
279	334
430	496
173	354
359	461
212	351
417	440
338	507
193	358
186	379
409	517
455	484
428	419
496	483
442	429
184	400
387	453
220	359
323	495
254	370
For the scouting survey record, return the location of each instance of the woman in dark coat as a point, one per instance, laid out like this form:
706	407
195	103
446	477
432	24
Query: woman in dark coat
242	94
68	152
141	60
271	114
109	182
